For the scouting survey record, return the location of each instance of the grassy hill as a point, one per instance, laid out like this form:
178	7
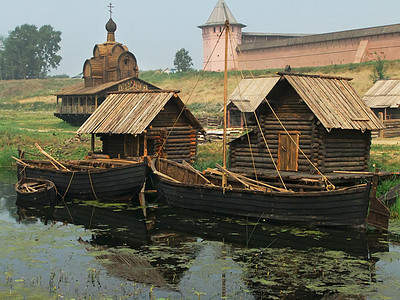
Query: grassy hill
202	91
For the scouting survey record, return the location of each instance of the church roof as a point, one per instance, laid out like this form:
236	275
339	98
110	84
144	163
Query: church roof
82	90
220	14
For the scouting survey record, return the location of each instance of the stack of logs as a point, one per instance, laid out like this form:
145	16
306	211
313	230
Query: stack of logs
392	129
177	143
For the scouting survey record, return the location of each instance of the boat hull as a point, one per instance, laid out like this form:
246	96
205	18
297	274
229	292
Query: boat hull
343	207
105	184
46	195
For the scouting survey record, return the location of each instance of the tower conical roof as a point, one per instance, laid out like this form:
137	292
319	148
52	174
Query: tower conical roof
220	14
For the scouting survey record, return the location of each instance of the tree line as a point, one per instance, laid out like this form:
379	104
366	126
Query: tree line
29	52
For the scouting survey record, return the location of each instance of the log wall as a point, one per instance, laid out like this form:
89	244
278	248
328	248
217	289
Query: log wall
177	142
345	150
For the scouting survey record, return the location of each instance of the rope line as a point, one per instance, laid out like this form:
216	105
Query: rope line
261	131
328	183
91	185
190	95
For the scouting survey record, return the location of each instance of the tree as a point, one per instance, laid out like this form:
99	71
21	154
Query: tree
30	53
379	70
183	61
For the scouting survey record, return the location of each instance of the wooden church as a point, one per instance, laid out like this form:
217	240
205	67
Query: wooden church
310	123
112	68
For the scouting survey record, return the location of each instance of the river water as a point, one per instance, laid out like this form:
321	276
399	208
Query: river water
111	251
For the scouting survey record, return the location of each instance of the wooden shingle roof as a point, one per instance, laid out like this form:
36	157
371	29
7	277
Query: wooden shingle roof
131	112
250	92
384	94
334	102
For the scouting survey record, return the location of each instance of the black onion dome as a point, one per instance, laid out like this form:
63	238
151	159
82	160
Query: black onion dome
111	26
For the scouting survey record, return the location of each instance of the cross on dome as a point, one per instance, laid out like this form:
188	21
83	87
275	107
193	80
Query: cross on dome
111	7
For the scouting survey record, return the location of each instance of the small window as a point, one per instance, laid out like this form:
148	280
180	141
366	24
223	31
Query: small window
214	30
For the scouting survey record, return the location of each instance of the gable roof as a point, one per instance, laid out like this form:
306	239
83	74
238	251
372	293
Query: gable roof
220	14
334	102
384	94
131	112
80	89
250	92
331	99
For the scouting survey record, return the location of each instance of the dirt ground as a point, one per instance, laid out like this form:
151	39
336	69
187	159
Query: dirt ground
386	141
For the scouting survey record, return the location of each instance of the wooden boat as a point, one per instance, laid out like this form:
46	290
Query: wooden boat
183	187
89	179
225	192
36	191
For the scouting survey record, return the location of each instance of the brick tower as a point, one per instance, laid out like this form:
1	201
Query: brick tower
212	29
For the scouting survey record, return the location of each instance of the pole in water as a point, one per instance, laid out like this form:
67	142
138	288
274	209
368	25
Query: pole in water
224	181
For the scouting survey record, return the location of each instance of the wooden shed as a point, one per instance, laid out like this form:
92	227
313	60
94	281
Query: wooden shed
141	123
384	100
308	118
112	68
245	99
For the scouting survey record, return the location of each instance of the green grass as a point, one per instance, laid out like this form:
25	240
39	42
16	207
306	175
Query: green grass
208	155
385	157
395	209
13	90
21	129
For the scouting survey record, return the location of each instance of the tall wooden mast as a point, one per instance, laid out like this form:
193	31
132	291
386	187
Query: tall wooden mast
224	181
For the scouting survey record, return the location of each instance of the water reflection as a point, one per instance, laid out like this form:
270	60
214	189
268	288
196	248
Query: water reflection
216	256
180	254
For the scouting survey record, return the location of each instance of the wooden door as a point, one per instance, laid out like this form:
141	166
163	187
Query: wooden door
288	154
131	146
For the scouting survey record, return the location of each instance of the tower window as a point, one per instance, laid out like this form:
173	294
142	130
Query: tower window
214	30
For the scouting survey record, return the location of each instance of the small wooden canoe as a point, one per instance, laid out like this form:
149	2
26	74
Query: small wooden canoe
36	191
89	179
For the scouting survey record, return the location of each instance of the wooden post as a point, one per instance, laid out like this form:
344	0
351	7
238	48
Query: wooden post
95	102
381	118
145	143
374	184
224	181
92	141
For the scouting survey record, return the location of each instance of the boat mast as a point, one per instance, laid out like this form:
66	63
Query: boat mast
224	181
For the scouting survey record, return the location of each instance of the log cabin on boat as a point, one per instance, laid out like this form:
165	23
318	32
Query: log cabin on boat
112	68
143	123
323	116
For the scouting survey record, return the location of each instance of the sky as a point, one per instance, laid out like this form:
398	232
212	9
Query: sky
154	30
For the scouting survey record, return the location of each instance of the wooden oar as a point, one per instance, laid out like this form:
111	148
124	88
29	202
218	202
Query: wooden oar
253	182
189	166
50	157
21	162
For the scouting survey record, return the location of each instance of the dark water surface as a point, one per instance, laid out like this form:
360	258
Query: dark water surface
115	252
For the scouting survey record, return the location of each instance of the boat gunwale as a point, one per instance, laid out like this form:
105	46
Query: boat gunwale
343	190
49	167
